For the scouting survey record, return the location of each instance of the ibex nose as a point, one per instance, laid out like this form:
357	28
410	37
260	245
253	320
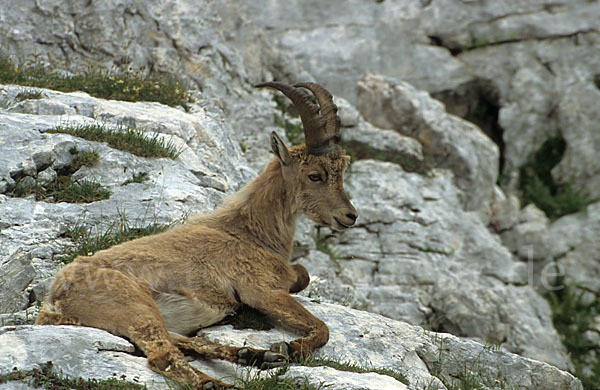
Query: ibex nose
352	217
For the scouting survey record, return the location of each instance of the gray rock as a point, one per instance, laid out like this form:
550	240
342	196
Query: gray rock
425	261
16	273
338	43
349	115
578	122
357	337
46	176
423	357
448	141
335	379
93	353
388	141
576	247
505	212
522	57
530	238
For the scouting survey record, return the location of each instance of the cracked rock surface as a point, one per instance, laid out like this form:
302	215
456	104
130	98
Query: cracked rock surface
443	247
368	339
536	60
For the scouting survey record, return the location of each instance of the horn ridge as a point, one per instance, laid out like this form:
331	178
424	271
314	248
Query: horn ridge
321	122
328	108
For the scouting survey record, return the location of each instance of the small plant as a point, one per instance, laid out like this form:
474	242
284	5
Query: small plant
130	85
460	374
313	361
88	158
125	138
89	240
47	379
29	94
81	191
323	246
274	381
573	314
63	188
538	185
137	178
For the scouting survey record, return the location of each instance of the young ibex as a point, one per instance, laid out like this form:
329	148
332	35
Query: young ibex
157	290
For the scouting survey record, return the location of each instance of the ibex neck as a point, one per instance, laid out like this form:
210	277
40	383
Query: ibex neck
263	212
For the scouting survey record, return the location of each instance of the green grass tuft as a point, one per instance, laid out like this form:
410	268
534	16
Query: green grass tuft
573	314
81	191
88	158
29	94
137	178
89	240
47	379
274	381
313	361
538	185
63	188
127	139
133	85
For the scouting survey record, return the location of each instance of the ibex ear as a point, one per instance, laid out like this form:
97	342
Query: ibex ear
280	150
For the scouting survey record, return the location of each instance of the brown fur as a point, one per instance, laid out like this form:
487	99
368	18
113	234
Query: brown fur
156	290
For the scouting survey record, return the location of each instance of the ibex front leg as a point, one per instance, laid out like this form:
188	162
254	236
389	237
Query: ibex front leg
281	308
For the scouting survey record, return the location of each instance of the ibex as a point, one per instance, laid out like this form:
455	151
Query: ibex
158	290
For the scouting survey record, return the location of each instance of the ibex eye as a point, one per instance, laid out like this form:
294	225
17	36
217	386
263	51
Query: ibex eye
314	177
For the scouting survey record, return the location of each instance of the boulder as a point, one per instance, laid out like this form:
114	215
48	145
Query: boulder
16	273
576	248
417	256
364	339
198	180
448	141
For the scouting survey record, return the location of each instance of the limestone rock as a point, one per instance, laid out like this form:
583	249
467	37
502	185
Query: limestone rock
576	247
197	181
579	120
93	353
369	340
416	256
16	273
530	238
448	141
522	58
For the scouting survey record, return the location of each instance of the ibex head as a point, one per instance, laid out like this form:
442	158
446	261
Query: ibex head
315	172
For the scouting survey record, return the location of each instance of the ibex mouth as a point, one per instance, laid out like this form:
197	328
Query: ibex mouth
343	225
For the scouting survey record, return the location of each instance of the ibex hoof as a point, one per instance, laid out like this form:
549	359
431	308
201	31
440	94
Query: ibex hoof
280	348
261	359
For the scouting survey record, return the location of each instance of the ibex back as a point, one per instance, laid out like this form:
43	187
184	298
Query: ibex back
157	290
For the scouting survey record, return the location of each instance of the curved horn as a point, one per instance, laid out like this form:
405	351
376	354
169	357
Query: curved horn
321	131
328	108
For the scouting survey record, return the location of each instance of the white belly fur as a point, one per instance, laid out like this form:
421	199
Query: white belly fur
184	315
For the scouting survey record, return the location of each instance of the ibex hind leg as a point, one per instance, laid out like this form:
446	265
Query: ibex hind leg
110	300
202	348
49	315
